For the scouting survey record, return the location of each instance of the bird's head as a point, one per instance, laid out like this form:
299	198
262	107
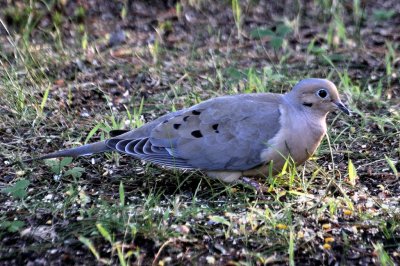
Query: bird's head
317	95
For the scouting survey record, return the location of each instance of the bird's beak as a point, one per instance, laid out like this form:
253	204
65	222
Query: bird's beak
342	107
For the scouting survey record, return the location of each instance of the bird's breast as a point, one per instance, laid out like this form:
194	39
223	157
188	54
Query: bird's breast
298	138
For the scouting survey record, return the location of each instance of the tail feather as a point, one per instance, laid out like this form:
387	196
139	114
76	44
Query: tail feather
87	149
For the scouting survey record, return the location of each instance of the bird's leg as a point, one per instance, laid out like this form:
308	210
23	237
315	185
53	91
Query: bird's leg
260	188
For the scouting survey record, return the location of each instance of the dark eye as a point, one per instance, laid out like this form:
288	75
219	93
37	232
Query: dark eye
322	93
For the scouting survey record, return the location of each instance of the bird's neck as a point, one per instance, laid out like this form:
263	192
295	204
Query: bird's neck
305	119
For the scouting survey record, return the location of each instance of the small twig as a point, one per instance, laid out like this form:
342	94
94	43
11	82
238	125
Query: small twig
171	240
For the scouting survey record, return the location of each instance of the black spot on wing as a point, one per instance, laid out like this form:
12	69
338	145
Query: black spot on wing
176	126
197	134
215	127
195	112
185	118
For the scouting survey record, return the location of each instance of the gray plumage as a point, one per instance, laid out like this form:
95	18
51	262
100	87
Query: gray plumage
196	138
230	134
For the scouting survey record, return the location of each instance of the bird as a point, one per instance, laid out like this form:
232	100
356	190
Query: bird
231	137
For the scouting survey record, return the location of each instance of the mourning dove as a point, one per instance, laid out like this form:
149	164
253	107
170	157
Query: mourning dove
230	137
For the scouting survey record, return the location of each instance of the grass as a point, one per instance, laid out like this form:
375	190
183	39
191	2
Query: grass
342	205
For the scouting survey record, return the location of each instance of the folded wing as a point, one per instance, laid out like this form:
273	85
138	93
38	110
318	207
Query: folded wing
226	133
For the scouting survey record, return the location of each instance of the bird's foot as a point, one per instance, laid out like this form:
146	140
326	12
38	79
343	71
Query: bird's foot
260	188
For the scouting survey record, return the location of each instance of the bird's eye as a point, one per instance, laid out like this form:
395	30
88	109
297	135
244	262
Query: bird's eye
322	93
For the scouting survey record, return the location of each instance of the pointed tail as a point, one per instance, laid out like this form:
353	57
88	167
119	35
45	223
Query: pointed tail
87	149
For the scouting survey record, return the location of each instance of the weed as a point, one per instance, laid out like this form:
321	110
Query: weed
10	226
237	16
383	257
18	190
383	14
277	37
